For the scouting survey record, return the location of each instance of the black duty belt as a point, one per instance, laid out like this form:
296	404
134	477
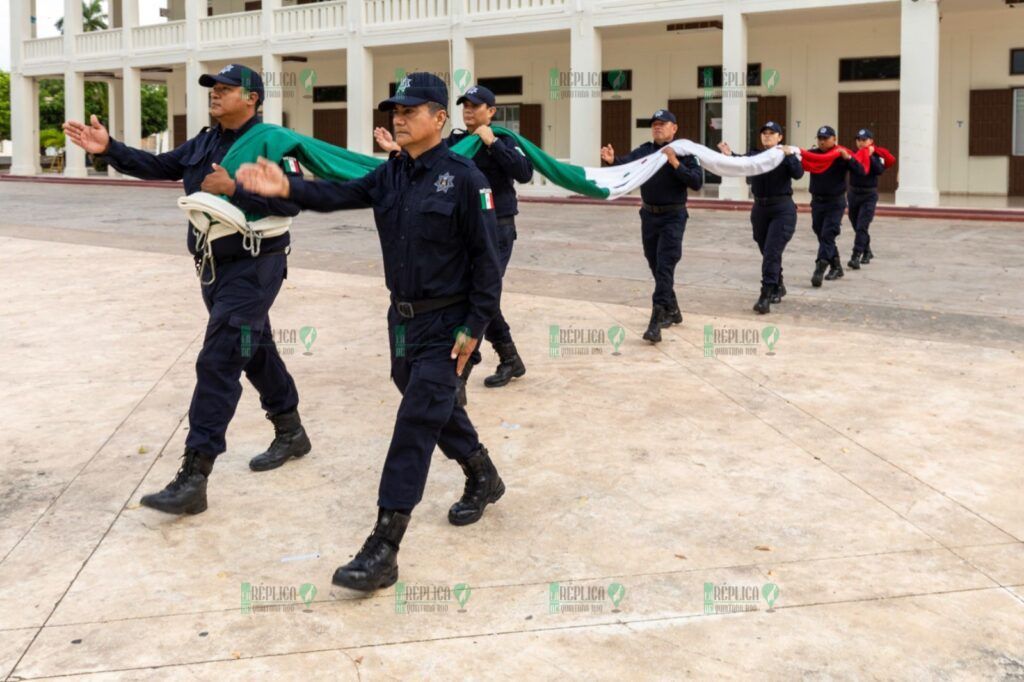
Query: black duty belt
507	220
864	190
201	266
410	309
828	197
773	200
664	208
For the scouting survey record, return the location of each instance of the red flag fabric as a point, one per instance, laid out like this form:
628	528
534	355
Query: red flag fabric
819	163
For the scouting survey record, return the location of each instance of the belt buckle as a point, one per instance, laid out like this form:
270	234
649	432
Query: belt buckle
405	309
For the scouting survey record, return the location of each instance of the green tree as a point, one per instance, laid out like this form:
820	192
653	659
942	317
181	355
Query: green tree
5	105
93	18
154	109
51	102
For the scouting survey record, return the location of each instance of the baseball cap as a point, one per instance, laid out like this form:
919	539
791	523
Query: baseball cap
826	131
417	88
477	94
663	115
865	134
772	126
236	75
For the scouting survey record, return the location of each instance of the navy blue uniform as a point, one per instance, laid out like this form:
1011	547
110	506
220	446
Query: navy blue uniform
438	243
501	163
663	217
773	216
238	335
863	200
828	202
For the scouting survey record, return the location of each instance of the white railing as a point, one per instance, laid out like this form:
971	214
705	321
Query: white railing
167	36
98	42
489	6
376	12
229	28
44	48
306	19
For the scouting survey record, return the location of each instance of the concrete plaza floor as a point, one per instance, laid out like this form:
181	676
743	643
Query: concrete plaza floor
837	497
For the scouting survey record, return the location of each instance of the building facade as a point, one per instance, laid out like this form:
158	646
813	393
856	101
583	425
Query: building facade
940	81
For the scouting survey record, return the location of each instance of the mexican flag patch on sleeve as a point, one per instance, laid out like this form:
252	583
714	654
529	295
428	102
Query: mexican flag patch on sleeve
291	165
486	199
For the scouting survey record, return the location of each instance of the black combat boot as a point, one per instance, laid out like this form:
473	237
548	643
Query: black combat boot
510	365
764	302
483	486
835	270
290	440
376	565
186	494
779	291
854	263
866	258
460	384
819	270
659	315
673	315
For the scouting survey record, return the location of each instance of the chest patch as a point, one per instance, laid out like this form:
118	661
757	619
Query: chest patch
444	182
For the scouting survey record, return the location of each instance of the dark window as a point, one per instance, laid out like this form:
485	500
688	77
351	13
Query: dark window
253	5
869	69
711	76
330	93
503	85
1017	62
643	123
617	80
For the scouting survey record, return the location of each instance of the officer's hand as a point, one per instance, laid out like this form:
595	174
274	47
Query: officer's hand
463	348
673	158
789	150
725	148
871	149
608	154
385	141
93	138
264	178
846	154
485	134
218	182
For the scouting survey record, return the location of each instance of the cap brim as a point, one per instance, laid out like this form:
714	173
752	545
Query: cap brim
663	120
771	128
209	80
471	98
392	102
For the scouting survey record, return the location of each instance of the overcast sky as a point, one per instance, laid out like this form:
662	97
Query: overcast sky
49	11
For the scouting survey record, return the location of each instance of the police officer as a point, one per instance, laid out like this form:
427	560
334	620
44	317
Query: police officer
863	200
828	203
503	163
434	213
773	215
663	215
238	335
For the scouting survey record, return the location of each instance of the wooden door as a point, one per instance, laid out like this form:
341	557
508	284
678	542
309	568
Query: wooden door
331	125
879	111
616	124
687	113
531	123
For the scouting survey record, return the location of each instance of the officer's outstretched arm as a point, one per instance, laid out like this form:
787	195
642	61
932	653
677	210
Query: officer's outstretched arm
95	139
479	225
267	179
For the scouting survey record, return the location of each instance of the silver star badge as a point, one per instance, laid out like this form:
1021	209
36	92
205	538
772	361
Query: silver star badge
444	182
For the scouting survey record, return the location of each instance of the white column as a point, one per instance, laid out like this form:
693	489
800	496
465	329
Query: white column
131	92
129	21
463	71
74	110
585	112
734	93
197	98
24	95
115	115
919	104
358	83
273	101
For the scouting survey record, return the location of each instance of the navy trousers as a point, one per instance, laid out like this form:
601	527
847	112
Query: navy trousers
238	338
774	226
498	330
827	221
662	235
862	213
423	371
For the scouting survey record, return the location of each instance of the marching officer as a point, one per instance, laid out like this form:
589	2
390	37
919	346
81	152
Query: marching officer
863	200
773	215
828	203
663	215
435	215
503	163
238	299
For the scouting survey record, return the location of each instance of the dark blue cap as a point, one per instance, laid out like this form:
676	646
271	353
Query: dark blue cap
663	115
236	75
865	134
477	94
826	131
772	126
417	88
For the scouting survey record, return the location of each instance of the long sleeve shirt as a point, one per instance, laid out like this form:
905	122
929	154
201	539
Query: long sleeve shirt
501	163
668	185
